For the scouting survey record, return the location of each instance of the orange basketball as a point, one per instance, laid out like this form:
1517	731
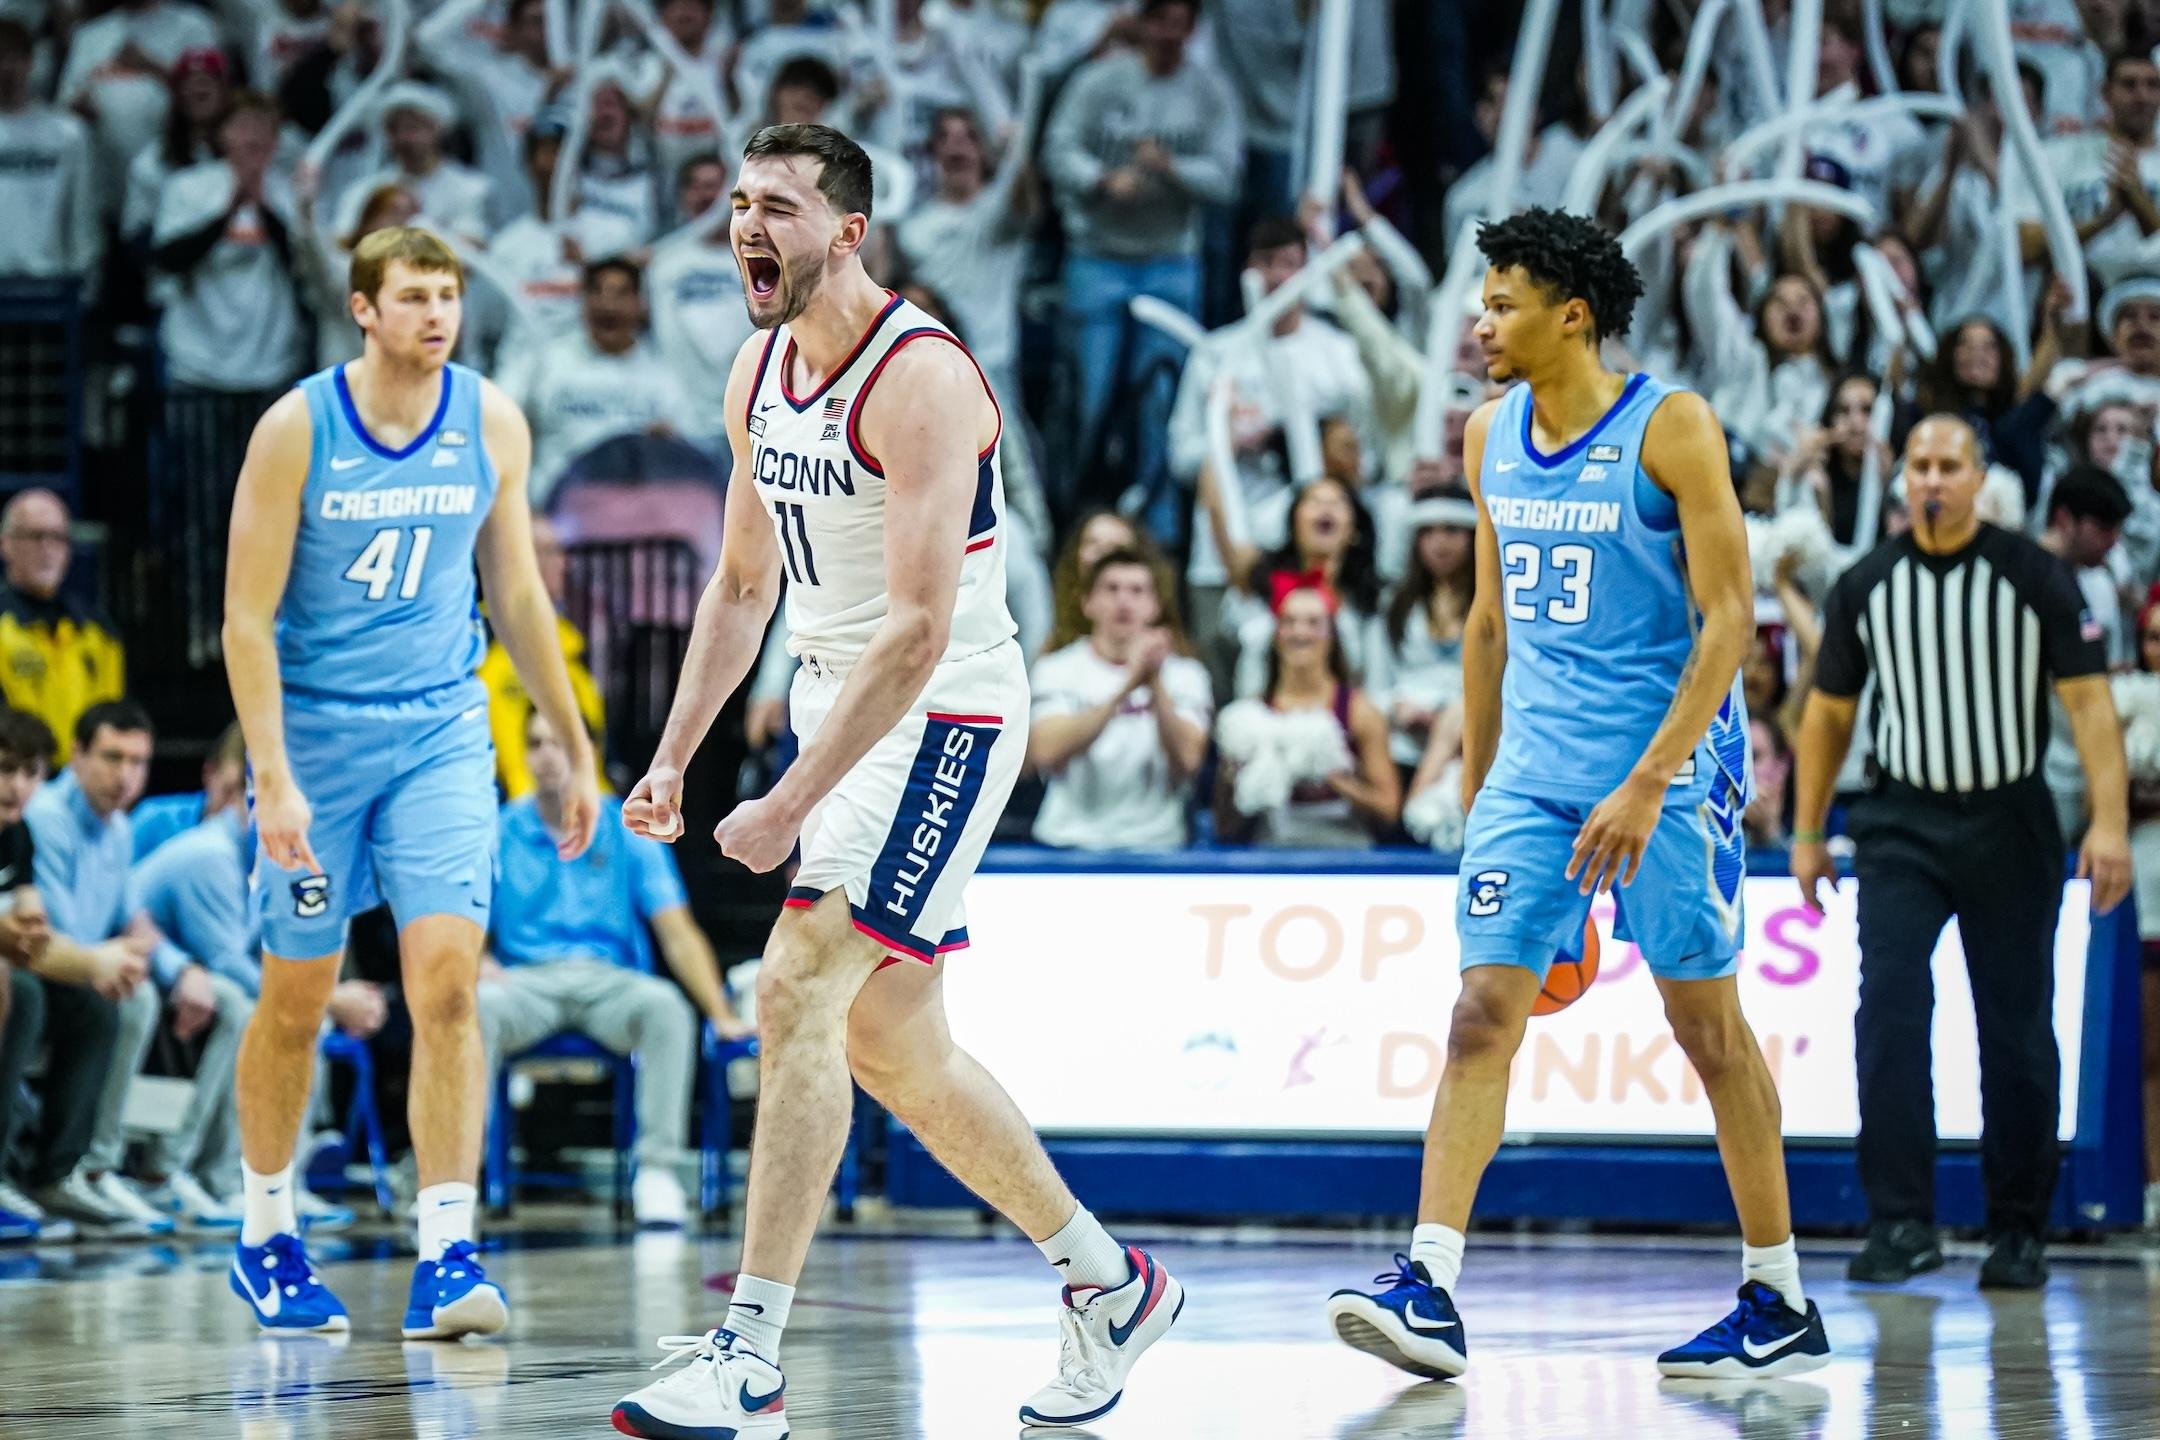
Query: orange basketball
1570	976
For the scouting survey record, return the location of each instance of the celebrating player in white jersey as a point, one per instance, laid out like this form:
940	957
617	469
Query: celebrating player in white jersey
866	472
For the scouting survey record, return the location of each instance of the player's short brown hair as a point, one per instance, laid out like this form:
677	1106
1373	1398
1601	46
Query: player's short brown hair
844	176
420	249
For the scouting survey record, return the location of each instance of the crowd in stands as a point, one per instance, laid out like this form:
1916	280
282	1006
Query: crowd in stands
1241	638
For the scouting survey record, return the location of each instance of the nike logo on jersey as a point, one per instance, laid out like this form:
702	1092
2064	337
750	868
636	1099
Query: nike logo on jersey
766	406
348	462
1764	1352
1503	466
267	1305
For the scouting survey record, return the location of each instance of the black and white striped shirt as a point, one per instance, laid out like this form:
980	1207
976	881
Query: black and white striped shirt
1964	649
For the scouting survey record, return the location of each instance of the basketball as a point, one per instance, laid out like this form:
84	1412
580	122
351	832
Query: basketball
1570	976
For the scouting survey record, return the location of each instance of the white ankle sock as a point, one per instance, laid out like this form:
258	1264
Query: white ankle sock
1085	1255
1439	1249
266	1206
446	1216
759	1313
1777	1266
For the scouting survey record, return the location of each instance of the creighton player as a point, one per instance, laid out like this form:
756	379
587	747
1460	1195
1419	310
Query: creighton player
1604	745
351	636
866	474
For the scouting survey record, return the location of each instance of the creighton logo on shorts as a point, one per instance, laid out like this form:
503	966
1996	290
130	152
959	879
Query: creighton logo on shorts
311	896
1488	890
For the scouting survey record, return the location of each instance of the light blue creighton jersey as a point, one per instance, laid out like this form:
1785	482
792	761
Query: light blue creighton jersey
381	601
1600	621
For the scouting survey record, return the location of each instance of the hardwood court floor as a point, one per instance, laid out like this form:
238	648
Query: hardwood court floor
940	1337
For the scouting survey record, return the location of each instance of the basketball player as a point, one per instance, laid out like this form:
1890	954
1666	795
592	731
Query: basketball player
352	632
866	474
1604	745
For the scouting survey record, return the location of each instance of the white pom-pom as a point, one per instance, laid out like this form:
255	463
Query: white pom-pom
1275	752
1799	532
1434	815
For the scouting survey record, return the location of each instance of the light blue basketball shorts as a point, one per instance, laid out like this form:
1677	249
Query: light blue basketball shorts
403	794
1515	905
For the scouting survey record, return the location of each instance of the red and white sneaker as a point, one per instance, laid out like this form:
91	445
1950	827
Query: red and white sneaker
727	1389
1104	1333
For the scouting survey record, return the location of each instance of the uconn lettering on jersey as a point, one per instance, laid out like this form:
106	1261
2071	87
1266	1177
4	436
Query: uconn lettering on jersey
803	474
400	501
934	819
1584	517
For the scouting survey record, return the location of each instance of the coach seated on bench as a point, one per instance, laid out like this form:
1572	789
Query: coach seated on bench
566	930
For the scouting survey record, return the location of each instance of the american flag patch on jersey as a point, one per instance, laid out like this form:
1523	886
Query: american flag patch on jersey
836	407
2089	626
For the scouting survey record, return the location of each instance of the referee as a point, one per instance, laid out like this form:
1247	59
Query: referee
1964	626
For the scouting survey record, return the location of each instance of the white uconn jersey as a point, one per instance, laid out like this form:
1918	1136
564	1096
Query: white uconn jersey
825	493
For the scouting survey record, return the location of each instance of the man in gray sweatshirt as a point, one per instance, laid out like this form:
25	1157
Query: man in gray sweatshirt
1139	144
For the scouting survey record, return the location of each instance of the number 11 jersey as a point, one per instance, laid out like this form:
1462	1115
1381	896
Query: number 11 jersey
381	602
825	495
1600	619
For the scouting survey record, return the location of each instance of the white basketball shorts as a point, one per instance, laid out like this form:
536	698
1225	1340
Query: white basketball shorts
904	830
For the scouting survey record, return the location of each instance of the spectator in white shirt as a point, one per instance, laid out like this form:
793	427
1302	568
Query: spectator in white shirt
683	125
791	30
502	81
969	241
277	35
599	382
47	178
115	78
222	247
1549	158
1414	658
1095	534
202	94
1120	721
1769	374
539	264
454	197
1304	370
617	178
699	317
2109	177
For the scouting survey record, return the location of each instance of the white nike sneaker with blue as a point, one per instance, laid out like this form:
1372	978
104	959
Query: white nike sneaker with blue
283	1289
1763	1338
1411	1324
1103	1333
453	1297
727	1392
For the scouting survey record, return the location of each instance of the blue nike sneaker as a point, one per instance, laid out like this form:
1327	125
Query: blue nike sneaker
1412	1324
452	1297
282	1288
1762	1339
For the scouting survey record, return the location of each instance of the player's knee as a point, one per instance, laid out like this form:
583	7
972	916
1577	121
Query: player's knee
786	995
438	1007
1715	1043
1480	1032
877	1058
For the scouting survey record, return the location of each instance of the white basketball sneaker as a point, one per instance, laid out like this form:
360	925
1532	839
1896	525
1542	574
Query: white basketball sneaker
727	1389
1103	1335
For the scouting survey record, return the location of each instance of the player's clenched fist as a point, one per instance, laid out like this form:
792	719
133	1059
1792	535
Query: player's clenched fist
758	833
653	808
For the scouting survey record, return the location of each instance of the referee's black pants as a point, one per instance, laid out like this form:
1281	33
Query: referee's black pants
1995	862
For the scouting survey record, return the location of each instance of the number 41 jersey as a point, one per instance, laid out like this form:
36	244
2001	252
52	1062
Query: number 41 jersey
825	494
381	601
1600	620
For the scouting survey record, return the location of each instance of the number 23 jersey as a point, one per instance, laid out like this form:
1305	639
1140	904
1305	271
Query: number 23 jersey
825	494
381	601
1600	620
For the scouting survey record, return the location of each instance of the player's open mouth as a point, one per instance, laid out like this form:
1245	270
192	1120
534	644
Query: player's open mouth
763	272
